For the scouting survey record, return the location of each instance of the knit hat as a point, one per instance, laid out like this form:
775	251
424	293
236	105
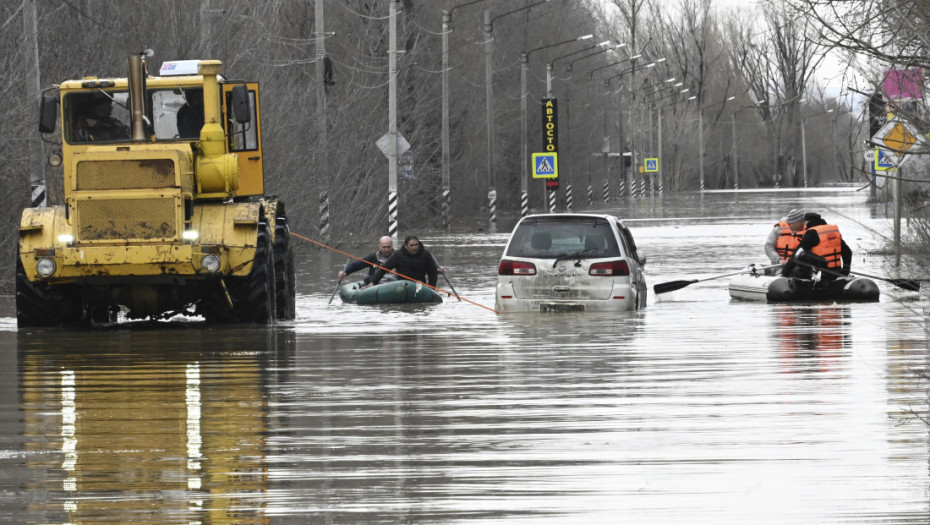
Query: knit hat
794	215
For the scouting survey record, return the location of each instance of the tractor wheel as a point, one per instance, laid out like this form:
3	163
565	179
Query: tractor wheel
38	304
253	296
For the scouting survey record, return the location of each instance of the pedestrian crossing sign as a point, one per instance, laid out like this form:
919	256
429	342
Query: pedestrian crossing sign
884	160
545	165
652	165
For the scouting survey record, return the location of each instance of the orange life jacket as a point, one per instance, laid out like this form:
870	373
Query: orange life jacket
787	241
831	245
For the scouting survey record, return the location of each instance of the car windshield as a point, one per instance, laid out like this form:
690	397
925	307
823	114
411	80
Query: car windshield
563	237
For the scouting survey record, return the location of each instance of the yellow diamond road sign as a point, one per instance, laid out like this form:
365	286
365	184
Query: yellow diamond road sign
899	139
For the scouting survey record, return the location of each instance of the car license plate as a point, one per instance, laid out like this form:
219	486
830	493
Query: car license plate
560	307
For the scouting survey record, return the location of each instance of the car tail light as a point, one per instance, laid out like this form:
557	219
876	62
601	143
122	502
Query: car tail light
609	269
508	267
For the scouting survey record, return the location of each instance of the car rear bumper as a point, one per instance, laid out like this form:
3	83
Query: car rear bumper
622	299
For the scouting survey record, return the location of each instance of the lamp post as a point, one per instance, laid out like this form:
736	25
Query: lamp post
804	144
590	189
620	189
488	71
701	136
446	162
569	157
524	65
633	163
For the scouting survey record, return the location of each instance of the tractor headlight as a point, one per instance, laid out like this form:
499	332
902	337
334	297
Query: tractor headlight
210	263
66	238
45	266
190	235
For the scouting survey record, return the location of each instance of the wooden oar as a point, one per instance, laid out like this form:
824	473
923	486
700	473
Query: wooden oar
907	284
671	286
446	278
338	283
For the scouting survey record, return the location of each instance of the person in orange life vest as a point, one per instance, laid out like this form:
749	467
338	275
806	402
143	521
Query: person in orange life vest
821	246
785	237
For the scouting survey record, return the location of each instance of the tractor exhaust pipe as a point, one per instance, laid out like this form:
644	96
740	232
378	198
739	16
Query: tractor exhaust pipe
137	95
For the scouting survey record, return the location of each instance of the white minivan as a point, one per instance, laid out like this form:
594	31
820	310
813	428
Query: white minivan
570	262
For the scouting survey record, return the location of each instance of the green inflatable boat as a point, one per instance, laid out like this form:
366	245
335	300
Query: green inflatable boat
401	291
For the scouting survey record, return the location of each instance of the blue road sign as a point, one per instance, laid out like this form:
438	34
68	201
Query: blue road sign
884	160
545	165
652	164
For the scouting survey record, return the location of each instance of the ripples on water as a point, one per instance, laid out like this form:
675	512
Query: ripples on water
696	410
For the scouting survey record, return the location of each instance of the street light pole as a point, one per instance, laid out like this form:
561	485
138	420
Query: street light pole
524	64
489	95
804	144
446	161
701	136
392	123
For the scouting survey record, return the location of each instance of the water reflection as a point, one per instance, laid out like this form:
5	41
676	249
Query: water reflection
812	338
166	426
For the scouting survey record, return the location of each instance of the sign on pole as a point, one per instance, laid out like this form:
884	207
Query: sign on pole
884	160
652	165
550	127
545	165
898	139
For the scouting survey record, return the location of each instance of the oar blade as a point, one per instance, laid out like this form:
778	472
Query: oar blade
671	286
906	284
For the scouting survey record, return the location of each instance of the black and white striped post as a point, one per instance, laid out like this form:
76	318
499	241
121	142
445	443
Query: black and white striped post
607	190
324	218
446	210
552	198
39	195
492	209
524	203
590	196
392	215
568	197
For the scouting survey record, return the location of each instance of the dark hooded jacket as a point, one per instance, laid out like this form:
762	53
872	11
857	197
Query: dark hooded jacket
416	267
810	239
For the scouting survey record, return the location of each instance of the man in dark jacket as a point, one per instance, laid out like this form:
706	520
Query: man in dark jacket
412	261
379	258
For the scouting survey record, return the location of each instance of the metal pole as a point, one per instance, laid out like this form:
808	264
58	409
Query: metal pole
392	123
489	95
661	173
524	178
735	154
33	90
325	233
803	153
569	153
701	145
898	195
446	202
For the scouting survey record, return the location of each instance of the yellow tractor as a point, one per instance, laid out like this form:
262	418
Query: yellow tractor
164	209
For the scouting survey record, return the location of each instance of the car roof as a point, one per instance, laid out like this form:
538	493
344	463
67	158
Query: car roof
573	216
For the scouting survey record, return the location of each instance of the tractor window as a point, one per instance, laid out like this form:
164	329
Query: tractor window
178	113
96	116
243	136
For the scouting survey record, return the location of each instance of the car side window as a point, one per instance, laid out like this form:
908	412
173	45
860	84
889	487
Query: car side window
628	242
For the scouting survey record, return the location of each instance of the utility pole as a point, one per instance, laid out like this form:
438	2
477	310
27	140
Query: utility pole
446	193
489	96
33	88
392	123
322	127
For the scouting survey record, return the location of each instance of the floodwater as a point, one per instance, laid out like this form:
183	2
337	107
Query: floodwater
698	409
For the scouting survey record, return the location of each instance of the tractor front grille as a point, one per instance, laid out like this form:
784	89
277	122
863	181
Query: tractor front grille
126	219
92	175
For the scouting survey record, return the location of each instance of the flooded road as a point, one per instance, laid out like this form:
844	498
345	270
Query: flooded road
698	409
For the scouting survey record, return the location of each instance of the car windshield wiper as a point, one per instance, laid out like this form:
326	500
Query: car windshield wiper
565	256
